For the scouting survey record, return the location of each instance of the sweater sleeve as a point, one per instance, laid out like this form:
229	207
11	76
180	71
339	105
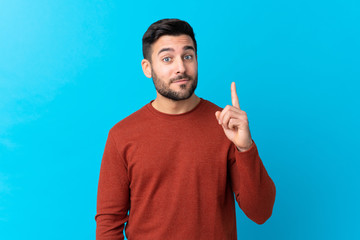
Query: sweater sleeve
254	190
113	200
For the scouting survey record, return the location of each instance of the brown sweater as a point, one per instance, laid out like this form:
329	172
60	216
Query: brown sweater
176	175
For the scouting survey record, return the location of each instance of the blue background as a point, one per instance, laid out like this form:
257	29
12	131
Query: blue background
69	70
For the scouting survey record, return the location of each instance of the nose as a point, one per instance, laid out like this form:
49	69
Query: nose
180	66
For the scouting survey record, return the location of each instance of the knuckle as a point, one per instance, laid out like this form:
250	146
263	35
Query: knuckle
228	114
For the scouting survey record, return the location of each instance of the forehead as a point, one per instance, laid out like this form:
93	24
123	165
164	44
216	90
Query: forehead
175	42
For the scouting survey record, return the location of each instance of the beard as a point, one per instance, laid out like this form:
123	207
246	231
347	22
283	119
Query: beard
165	90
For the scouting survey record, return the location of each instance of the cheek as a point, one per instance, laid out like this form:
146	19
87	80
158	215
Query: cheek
192	68
162	72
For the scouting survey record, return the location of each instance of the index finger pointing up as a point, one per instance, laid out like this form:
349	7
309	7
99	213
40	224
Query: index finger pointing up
234	96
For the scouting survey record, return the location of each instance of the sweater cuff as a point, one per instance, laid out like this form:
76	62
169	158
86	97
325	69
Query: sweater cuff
248	154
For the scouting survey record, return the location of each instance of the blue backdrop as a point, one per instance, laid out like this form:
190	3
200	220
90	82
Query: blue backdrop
69	70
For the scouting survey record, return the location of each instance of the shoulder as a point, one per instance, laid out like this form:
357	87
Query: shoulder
209	106
128	124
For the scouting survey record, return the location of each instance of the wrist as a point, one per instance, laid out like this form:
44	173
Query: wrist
247	147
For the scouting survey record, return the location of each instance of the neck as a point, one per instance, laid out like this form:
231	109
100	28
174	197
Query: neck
168	106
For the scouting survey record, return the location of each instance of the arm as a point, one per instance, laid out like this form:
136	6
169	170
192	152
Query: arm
254	190
113	200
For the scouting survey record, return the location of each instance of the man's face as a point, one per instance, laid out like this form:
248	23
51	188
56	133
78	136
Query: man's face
174	67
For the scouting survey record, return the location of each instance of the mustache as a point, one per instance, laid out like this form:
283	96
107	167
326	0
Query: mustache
184	76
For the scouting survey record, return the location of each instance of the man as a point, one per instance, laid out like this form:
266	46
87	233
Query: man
170	169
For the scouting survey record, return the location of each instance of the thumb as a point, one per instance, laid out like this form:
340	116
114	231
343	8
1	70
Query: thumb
217	115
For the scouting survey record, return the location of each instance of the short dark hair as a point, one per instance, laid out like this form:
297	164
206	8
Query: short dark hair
172	27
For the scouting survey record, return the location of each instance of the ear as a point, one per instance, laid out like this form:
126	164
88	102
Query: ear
146	67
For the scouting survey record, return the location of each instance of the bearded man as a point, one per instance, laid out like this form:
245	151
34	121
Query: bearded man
171	169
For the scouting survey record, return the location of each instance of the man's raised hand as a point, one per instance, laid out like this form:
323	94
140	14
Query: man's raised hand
235	122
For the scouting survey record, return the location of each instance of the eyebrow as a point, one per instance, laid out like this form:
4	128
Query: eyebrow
189	48
172	50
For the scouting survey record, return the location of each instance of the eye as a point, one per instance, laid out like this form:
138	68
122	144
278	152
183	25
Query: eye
188	57
166	59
